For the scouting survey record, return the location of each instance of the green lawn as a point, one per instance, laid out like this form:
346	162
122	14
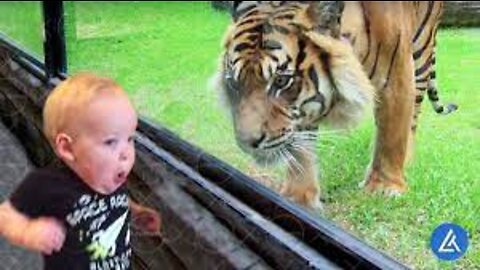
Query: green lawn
443	176
22	22
164	53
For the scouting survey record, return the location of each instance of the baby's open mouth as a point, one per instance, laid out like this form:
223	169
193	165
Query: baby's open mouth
121	178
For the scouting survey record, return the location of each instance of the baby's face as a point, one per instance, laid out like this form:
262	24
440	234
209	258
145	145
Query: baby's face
104	148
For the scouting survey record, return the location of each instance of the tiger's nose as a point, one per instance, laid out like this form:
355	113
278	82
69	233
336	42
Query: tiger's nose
253	140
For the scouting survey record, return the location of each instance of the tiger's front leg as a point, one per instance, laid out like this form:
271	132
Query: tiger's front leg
393	115
302	184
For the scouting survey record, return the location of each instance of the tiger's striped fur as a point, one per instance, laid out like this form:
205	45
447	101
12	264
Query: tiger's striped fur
424	57
290	66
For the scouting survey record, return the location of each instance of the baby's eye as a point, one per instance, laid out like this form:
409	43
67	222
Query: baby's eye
130	139
110	142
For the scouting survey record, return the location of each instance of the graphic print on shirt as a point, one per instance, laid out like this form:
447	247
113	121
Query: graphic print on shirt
104	241
101	225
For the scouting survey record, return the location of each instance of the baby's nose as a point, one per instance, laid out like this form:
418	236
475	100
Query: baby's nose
124	154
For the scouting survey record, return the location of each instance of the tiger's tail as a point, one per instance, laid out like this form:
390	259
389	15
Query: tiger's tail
426	82
432	93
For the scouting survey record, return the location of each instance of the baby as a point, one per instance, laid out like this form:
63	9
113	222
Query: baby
78	214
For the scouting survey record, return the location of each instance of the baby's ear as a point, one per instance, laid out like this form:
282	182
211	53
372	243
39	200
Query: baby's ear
63	147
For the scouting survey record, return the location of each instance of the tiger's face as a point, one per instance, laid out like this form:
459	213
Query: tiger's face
279	83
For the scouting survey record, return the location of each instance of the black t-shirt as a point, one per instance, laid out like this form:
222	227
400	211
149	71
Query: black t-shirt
97	226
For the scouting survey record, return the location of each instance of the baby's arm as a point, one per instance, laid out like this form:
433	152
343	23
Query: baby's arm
40	234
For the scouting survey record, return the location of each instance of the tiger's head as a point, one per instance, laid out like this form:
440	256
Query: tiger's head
284	71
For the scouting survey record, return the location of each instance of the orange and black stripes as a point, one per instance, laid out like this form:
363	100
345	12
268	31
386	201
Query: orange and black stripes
424	44
254	51
367	32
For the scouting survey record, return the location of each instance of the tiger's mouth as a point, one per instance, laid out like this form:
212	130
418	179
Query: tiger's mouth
271	156
269	151
282	149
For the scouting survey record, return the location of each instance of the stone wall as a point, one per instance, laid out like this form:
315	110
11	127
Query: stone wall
456	14
461	13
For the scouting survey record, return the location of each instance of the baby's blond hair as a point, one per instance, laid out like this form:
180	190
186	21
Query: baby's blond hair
69	100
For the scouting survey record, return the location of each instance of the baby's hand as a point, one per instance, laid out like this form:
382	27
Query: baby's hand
147	220
44	235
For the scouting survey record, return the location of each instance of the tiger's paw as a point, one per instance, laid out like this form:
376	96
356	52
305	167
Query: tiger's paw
393	187
304	195
264	179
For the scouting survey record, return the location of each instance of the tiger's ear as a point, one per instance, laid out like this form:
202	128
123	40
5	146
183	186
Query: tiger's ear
238	8
325	16
345	78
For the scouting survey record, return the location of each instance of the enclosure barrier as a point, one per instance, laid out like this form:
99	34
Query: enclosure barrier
214	216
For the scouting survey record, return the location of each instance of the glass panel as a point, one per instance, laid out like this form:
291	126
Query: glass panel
22	22
164	53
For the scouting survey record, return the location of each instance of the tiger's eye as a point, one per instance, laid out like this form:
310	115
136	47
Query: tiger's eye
281	81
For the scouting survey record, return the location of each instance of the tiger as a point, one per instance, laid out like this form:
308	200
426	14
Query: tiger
289	67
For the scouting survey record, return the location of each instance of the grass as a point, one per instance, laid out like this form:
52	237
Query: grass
23	22
164	52
443	177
